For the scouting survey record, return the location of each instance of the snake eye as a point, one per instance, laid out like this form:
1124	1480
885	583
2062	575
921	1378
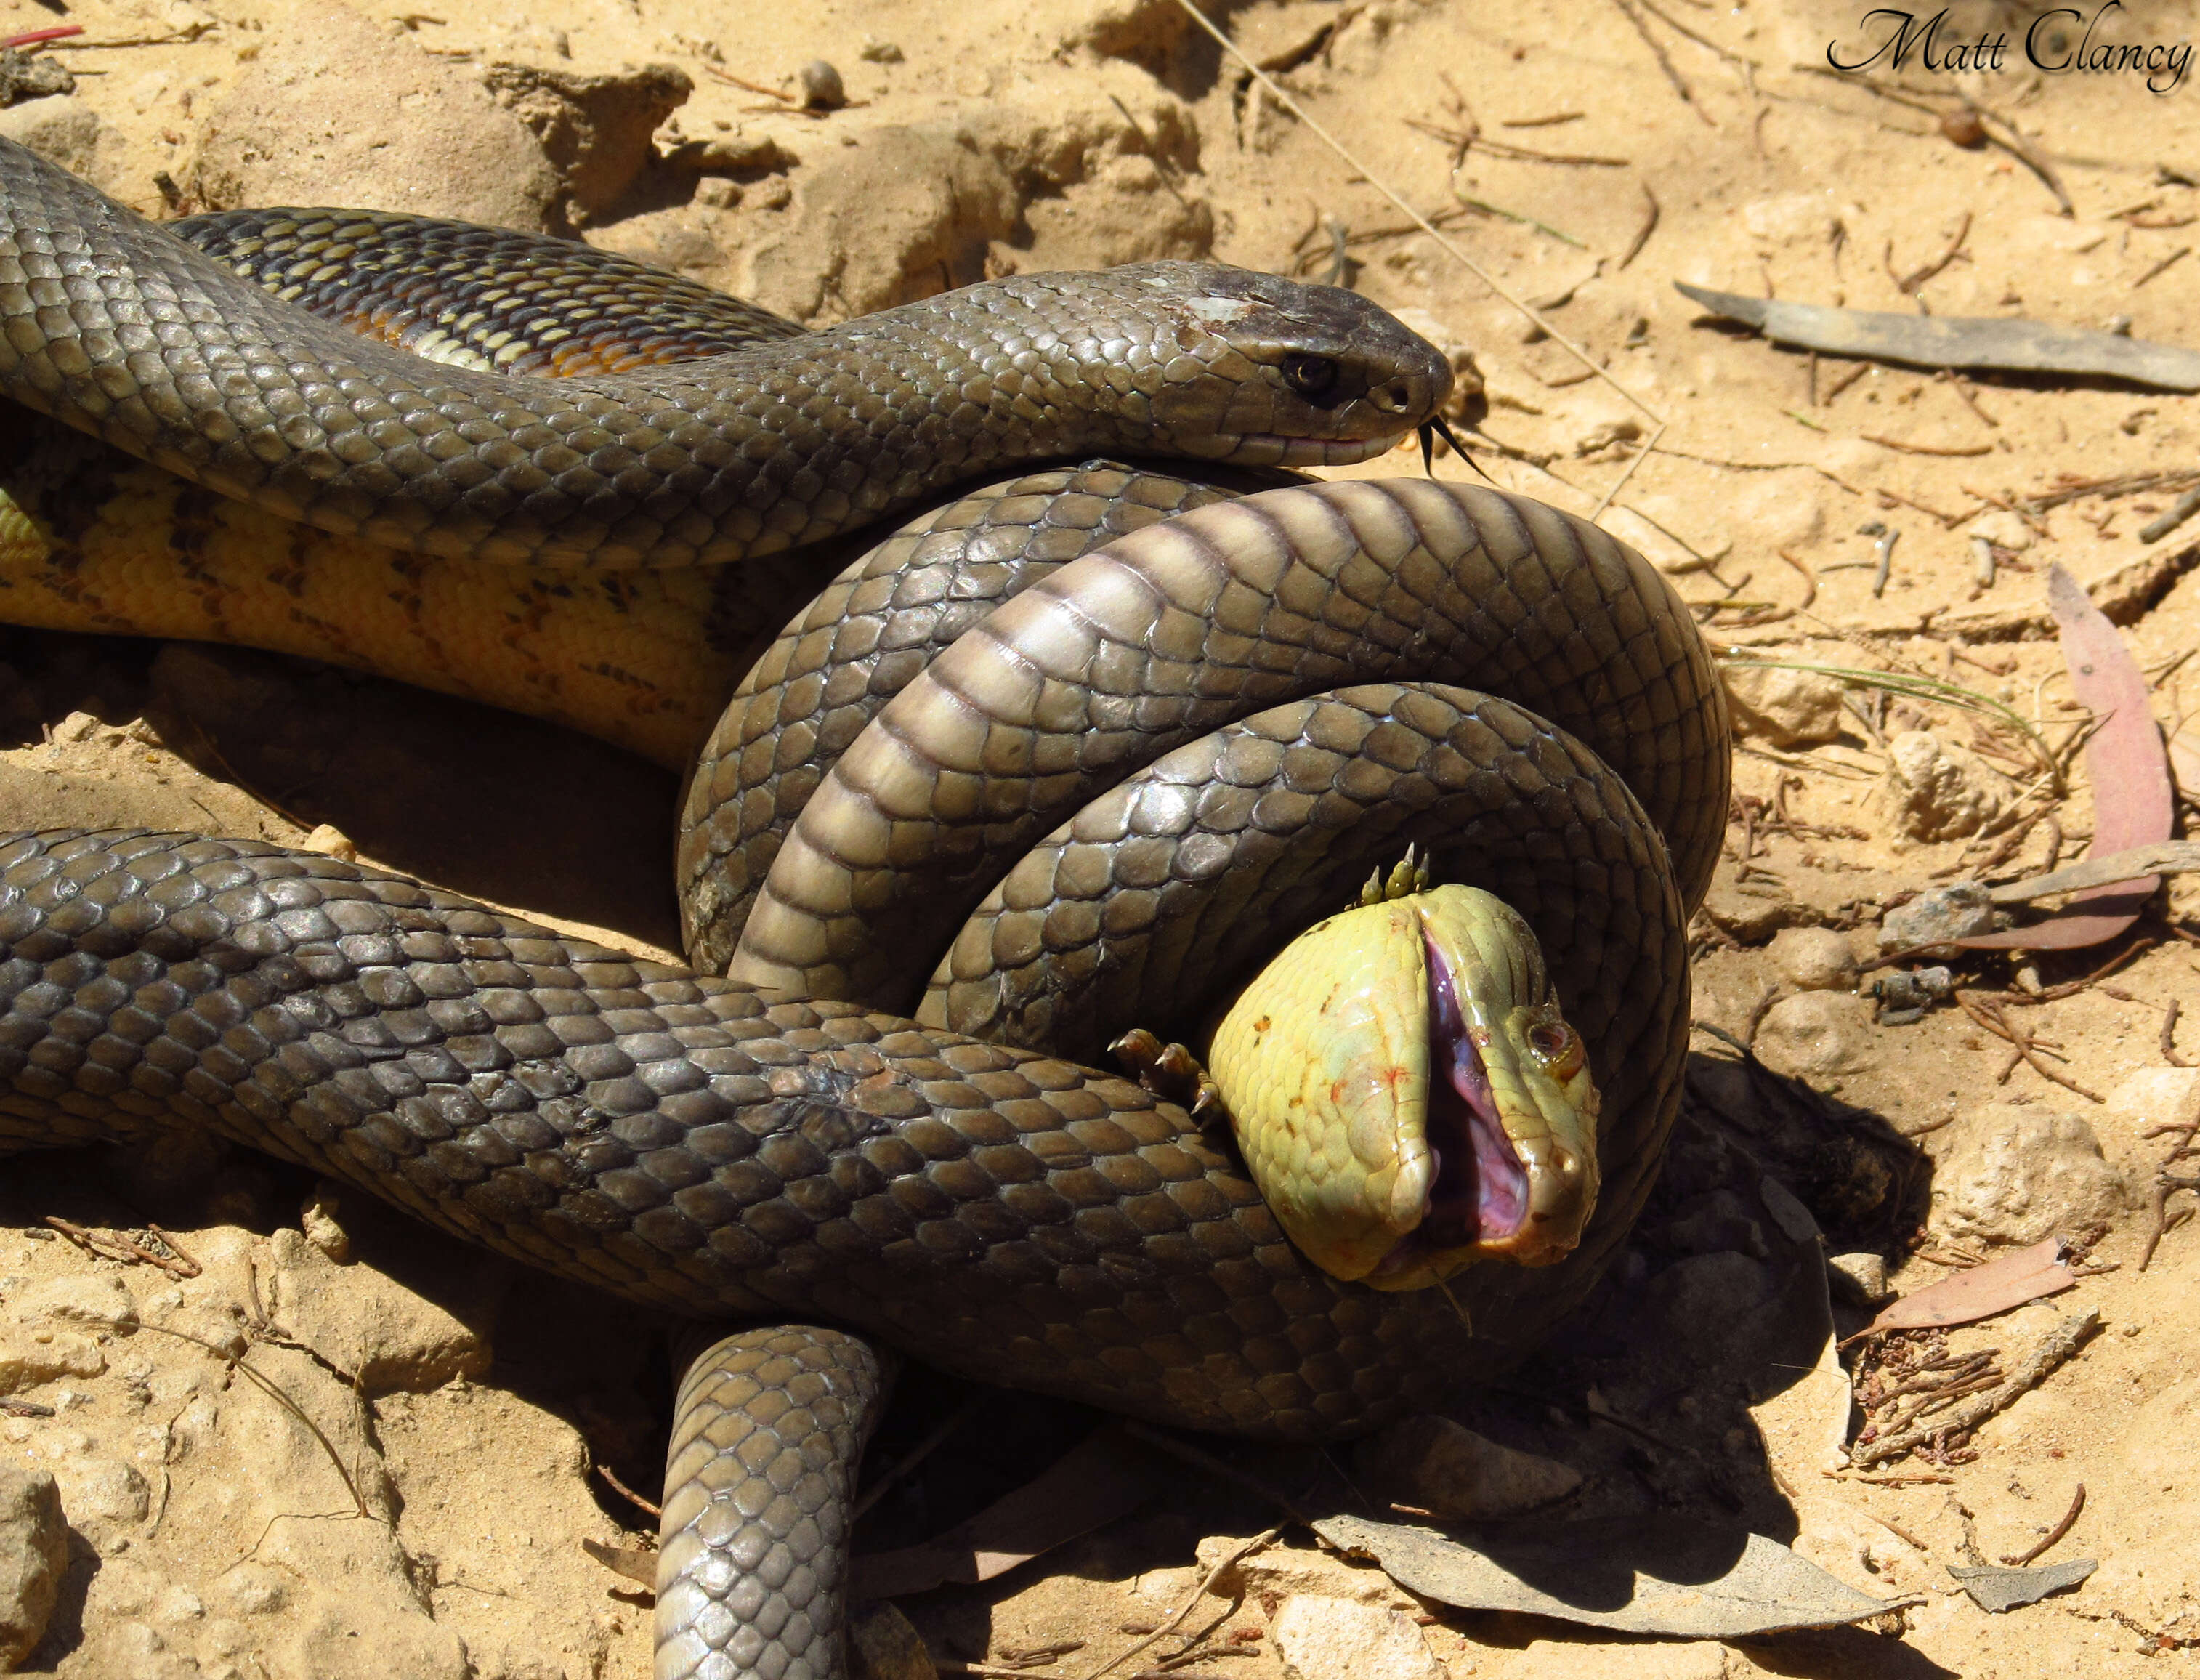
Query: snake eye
1557	1047
1312	376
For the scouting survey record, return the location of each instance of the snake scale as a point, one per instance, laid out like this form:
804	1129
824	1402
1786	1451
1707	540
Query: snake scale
1200	734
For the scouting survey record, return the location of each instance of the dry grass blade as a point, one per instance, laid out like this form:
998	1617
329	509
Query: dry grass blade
1928	689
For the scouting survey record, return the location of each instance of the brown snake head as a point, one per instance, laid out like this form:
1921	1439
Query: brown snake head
1271	373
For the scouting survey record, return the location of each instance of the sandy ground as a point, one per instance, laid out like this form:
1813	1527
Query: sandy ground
215	1539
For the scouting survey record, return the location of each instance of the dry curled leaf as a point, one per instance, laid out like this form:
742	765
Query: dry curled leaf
1981	1291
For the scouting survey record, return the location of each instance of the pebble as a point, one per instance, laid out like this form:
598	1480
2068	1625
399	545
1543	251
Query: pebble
1936	915
318	1219
1783	708
883	1645
33	1554
2017	1176
105	1498
1814	959
1857	1279
1322	1638
821	87
1816	1034
1941	790
1456	1475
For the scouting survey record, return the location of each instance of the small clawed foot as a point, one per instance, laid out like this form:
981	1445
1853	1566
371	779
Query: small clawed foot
1169	1072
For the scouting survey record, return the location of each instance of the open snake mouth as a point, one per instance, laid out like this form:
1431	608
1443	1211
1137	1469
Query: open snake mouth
1479	1190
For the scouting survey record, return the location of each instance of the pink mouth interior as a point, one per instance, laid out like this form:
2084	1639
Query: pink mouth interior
1481	1189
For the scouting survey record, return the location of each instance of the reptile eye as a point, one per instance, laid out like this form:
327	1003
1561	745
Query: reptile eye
1557	1047
1312	376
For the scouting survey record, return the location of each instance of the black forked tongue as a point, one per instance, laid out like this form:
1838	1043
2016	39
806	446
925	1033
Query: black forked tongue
1435	427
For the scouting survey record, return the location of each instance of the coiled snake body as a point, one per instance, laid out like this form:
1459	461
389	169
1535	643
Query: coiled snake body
1203	734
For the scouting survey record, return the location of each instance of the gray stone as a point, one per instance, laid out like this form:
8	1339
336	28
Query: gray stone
1936	915
1456	1475
64	130
1940	791
2019	1174
1857	1279
33	1554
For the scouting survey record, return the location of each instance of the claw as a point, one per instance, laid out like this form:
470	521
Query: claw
1169	1072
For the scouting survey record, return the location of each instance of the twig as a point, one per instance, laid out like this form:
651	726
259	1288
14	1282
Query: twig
625	1492
2169	261
1997	1024
1680	84
2169	1036
2054	1534
1909	284
1192	1603
1929	448
1649	226
2057	1346
108	1245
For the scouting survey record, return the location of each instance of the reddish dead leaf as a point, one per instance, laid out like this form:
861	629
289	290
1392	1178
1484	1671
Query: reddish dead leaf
1982	1291
2133	800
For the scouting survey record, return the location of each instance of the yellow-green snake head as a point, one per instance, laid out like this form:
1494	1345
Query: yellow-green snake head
1407	1095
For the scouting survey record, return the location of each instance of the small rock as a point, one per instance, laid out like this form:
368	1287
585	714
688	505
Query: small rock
1815	1033
2160	1097
882	1645
821	87
1814	959
287	132
105	1499
25	76
1278	1572
876	51
370	1324
1456	1475
1857	1279
1937	916
33	1554
2018	1175
96	1300
1941	790
331	841
323	1228
1336	1639
2003	530
1782	708
596	128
